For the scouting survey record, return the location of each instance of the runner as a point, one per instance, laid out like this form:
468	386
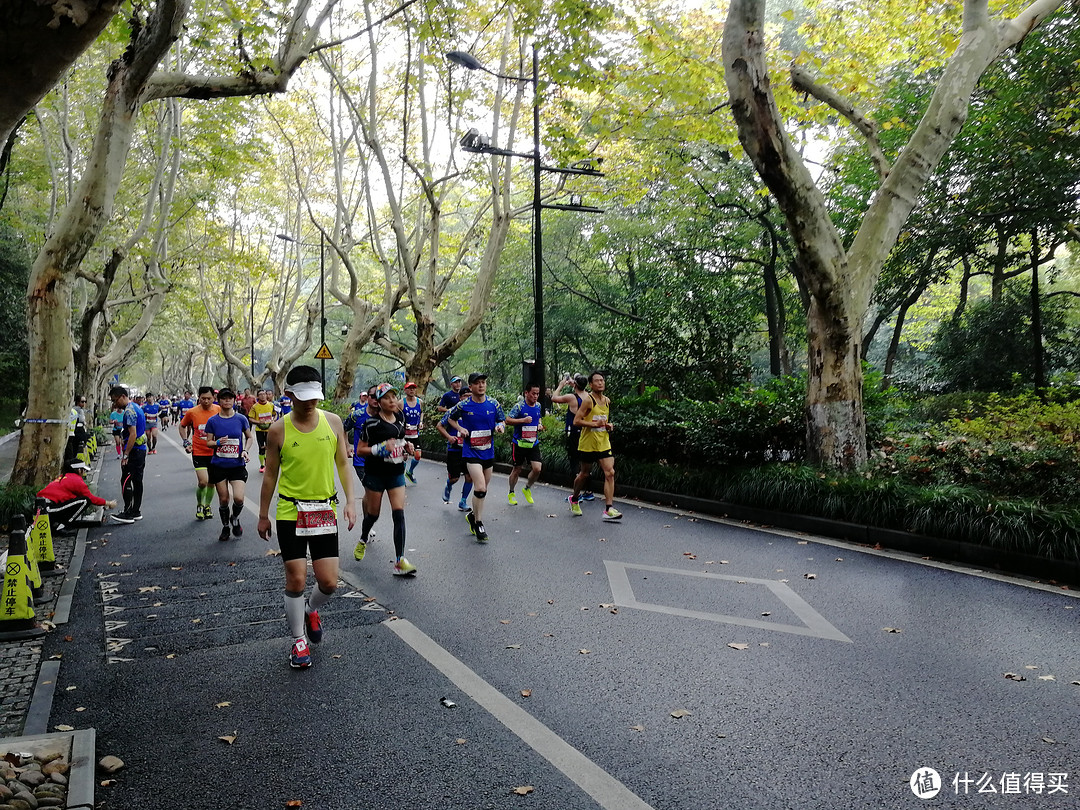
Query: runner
304	448
285	408
413	409
229	433
133	460
193	432
476	419
573	431
246	402
116	420
164	412
525	447
455	467
383	445
152	410
451	397
261	415
184	405
595	446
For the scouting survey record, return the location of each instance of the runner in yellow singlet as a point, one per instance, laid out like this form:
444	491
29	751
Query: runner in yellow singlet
303	448
595	446
261	416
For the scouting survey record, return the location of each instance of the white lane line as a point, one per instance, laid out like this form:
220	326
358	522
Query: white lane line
608	791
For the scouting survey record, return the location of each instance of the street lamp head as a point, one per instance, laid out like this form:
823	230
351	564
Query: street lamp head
286	237
466	60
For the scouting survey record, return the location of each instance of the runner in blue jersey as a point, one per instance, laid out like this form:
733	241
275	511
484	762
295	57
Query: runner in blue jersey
413	410
164	412
184	405
451	397
133	460
477	419
152	410
525	450
229	433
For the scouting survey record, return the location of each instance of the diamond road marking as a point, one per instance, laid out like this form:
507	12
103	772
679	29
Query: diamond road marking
814	624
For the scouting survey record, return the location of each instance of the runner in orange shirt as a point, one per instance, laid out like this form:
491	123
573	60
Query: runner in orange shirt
193	432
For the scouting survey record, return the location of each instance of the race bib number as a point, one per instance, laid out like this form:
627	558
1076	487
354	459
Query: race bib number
315	518
266	418
599	420
228	448
480	440
200	431
151	420
412	431
397	453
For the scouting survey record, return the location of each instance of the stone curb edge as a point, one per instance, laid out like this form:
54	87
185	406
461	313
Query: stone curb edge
82	746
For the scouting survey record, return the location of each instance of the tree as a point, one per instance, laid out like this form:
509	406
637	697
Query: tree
840	278
134	80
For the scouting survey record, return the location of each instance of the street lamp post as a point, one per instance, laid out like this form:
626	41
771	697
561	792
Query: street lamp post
322	292
473	143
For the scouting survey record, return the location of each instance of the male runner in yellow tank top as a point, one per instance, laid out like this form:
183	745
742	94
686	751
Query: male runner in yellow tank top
304	447
595	446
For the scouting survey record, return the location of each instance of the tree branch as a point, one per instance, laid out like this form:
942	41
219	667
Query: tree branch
802	81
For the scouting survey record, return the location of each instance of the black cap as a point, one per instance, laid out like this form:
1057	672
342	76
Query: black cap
476	376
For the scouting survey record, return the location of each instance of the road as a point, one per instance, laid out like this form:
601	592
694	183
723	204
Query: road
669	661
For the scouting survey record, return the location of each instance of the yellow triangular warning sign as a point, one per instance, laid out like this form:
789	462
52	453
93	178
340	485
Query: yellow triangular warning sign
324	353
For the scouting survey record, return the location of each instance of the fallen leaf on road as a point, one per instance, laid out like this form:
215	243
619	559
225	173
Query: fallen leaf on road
638	727
72	688
526	692
125	555
64	728
81	709
69	638
552	515
532	614
177	568
513	646
1029	666
667	525
609	605
461	741
739	646
766	613
1047	678
196	621
228	738
272	552
588	573
1049	740
680	713
107	782
447	702
839	559
504	621
801	542
523	790
1012	676
222	705
584	652
551	601
338	655
150	589
892	629
171	655
294	803
809	576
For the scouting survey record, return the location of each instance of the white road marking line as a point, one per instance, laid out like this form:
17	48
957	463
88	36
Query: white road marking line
608	791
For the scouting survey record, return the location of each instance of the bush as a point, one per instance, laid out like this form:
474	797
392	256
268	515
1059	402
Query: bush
15	499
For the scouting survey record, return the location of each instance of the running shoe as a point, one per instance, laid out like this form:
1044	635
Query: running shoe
511	498
198	511
587	496
122	517
313	626
481	532
301	655
472	521
237	529
446	492
611	513
404	568
410	476
136	515
360	550
262	468
463	505
575	508
224	534
527	492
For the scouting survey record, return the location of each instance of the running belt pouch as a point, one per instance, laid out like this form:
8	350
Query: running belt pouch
315	518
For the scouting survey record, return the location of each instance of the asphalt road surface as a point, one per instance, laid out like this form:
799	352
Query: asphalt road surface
667	661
